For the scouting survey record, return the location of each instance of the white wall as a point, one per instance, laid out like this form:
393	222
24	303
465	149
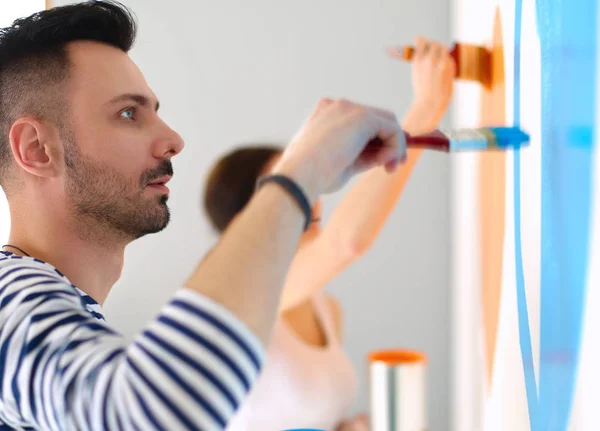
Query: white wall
228	72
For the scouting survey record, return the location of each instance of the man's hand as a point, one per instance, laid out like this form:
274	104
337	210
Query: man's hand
328	150
357	423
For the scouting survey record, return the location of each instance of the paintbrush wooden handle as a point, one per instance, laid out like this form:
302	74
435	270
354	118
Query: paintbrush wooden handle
435	140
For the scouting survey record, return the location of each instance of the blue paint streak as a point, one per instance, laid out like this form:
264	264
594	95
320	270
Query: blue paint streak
523	314
567	30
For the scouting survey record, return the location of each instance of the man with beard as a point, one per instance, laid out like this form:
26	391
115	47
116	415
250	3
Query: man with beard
84	163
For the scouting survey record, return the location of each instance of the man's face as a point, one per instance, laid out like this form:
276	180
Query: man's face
117	149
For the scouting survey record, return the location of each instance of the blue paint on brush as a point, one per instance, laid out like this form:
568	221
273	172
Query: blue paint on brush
510	137
500	138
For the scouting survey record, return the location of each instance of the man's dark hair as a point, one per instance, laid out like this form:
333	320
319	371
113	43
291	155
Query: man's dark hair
34	65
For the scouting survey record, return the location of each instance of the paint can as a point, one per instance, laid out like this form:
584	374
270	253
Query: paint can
397	390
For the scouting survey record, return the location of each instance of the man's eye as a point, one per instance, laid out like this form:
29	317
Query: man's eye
128	114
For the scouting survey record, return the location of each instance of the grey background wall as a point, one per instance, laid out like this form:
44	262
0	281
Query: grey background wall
229	72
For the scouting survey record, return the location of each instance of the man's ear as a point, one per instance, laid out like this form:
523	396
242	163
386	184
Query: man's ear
34	146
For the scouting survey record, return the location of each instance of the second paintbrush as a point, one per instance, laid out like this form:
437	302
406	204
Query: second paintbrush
480	139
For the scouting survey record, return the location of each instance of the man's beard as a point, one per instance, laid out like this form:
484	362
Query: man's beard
104	198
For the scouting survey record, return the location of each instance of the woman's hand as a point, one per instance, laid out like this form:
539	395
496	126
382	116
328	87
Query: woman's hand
433	73
357	423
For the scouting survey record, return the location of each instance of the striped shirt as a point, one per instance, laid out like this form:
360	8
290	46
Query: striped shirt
63	368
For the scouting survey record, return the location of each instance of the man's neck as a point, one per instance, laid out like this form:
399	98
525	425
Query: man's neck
92	266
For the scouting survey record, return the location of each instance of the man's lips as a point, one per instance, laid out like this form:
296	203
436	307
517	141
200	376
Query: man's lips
160	183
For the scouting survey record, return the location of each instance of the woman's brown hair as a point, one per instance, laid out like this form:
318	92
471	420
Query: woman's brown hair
232	181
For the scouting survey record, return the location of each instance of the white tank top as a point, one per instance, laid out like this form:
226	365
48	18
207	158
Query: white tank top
301	385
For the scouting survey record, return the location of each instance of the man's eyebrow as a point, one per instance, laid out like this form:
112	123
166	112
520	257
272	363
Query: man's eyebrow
140	99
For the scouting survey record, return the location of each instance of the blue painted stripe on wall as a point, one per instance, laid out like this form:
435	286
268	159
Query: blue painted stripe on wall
567	30
523	314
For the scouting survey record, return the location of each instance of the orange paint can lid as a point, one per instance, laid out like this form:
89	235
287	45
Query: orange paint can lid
397	356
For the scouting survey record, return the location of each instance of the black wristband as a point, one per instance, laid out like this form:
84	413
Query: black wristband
294	191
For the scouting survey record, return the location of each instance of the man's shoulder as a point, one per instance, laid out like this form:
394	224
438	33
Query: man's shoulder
12	261
27	283
14	269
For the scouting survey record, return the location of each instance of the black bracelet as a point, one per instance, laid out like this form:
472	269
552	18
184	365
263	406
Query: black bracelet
294	190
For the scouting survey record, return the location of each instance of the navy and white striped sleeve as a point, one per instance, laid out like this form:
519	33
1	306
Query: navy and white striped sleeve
61	368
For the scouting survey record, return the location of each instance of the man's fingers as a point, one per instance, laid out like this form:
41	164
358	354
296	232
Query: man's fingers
392	136
387	145
378	153
322	105
382	112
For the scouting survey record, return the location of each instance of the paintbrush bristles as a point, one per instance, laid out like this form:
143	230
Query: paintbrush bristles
474	63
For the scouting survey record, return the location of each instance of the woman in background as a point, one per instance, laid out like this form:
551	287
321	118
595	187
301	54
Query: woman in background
307	380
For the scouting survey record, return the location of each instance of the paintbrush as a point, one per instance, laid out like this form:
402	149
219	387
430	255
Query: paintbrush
473	62
449	141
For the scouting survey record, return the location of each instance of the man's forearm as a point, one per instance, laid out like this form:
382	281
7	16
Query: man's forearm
246	271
